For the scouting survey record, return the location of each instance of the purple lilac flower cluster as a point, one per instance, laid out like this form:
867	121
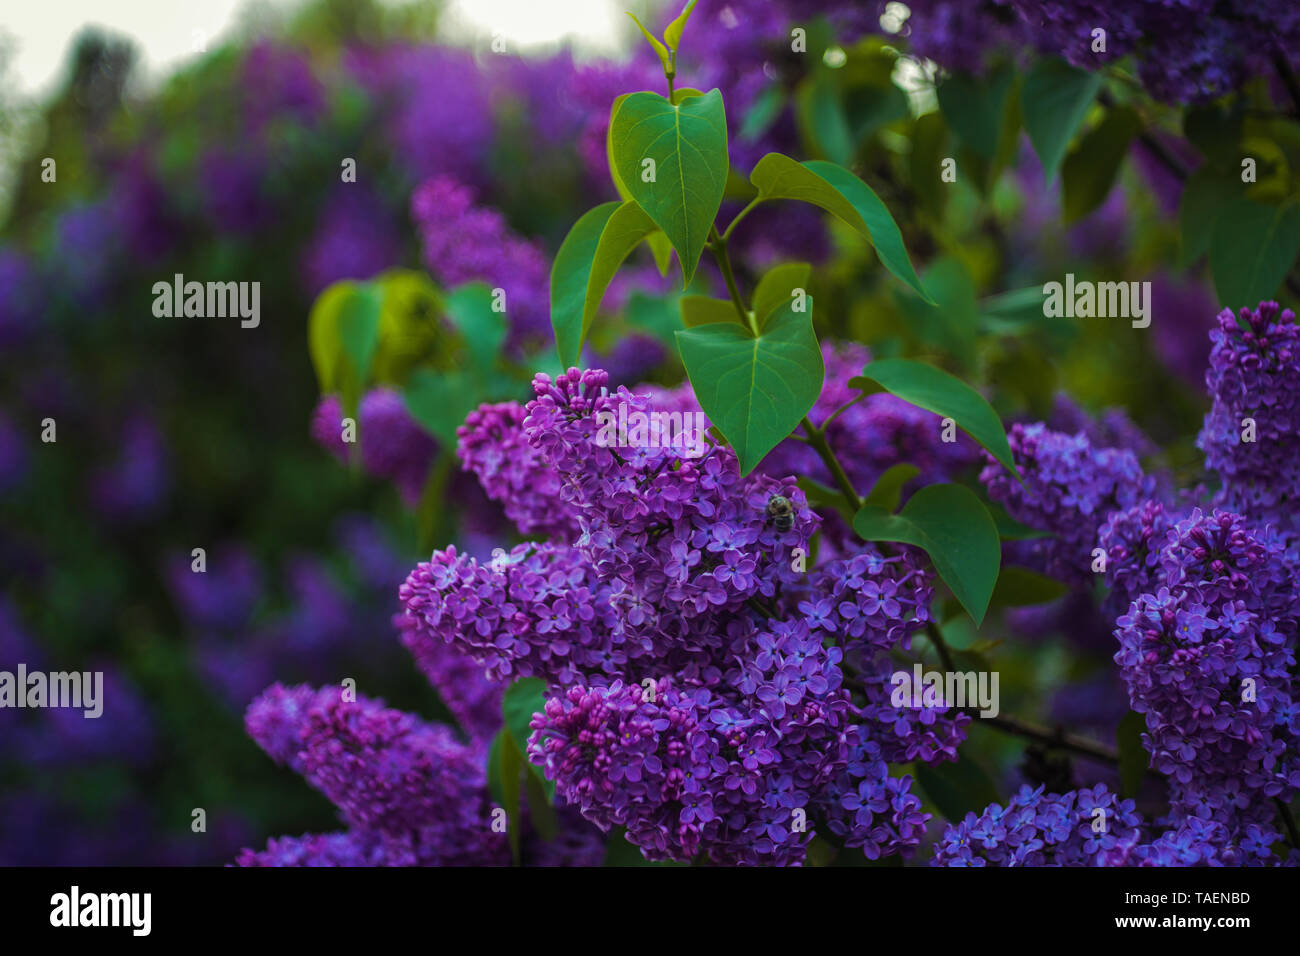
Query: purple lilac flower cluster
1070	487
1254	382
696	672
463	241
1186	51
1035	828
1208	658
409	792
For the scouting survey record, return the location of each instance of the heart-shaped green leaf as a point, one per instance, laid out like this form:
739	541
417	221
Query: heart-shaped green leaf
672	158
950	524
935	390
588	258
755	390
841	193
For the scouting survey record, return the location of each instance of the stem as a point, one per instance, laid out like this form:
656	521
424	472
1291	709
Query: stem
1057	738
718	246
817	439
726	233
843	408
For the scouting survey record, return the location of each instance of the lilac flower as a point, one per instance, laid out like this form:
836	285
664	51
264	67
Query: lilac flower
1070	487
463	241
1077	828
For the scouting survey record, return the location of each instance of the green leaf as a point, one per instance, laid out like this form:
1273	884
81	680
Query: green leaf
925	163
842	194
1021	587
1054	100
975	108
511	770
952	322
687	143
777	286
887	492
935	390
700	310
822	115
673	34
755	390
1205	195
470	309
765	111
1009	529
323	334
1253	248
1133	757
618	852
820	496
495	789
586	262
660	49
523	698
950	524
957	789
440	401
1090	170
342	337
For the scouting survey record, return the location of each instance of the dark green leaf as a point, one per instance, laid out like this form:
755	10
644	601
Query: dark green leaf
523	698
957	789
470	309
1205	195
975	108
440	401
887	492
1090	170
1252	249
822	115
511	773
687	143
1133	757
841	193
1009	529
1021	587
820	496
950	524
925	163
1054	101
588	259
935	390
755	390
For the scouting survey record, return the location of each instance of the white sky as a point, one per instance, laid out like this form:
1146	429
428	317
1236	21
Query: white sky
168	32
